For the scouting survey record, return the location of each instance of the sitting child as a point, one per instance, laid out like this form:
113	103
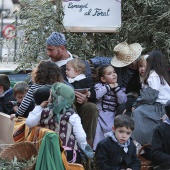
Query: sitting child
117	151
160	150
60	117
108	95
135	84
6	94
75	71
41	96
20	89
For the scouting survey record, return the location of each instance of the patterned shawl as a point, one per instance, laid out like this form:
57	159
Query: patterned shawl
62	99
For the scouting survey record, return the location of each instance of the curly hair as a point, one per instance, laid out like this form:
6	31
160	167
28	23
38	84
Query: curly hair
46	72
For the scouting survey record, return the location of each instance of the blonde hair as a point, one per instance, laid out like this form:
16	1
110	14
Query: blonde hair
20	87
78	65
141	60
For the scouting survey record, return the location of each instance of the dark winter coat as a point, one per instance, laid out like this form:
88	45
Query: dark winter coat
110	156
5	105
160	150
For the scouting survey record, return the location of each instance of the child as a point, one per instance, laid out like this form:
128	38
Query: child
160	150
20	89
108	94
150	104
45	73
75	71
60	117
6	94
41	96
135	84
117	150
85	99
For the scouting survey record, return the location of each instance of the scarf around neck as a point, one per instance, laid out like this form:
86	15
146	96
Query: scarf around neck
124	146
77	78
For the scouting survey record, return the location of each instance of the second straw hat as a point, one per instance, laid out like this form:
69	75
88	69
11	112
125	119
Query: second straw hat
125	54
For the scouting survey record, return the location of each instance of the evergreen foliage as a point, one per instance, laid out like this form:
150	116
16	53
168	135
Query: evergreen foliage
147	22
144	21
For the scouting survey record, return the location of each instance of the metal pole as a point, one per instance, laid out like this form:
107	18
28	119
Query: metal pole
2	6
15	45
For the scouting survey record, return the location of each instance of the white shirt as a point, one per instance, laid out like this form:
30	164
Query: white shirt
77	78
63	62
34	119
164	89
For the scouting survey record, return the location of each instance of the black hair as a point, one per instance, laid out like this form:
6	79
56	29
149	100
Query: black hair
124	120
46	72
167	108
101	71
4	81
41	94
156	61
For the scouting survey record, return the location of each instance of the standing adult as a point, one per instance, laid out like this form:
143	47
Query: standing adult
57	51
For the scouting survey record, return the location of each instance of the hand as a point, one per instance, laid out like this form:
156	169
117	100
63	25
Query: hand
15	108
128	169
116	84
88	94
44	104
81	98
164	117
133	109
12	116
113	85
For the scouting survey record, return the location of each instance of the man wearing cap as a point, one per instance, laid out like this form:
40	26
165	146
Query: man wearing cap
57	51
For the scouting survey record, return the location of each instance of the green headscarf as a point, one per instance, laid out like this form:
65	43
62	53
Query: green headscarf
62	97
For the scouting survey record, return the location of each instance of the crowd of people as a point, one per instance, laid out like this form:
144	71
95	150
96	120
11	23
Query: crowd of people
128	102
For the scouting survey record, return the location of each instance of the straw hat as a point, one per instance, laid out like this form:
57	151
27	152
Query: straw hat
125	54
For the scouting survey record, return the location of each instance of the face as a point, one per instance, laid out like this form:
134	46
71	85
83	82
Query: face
1	90
54	52
133	65
19	97
110	76
70	71
122	134
142	68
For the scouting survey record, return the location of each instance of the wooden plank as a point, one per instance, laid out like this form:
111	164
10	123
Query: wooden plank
6	129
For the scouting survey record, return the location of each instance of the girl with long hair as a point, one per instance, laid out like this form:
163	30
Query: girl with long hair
150	111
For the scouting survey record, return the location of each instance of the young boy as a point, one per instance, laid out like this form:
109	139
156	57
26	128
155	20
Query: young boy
20	89
160	150
6	94
117	151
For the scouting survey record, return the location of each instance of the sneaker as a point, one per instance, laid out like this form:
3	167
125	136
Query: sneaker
88	152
